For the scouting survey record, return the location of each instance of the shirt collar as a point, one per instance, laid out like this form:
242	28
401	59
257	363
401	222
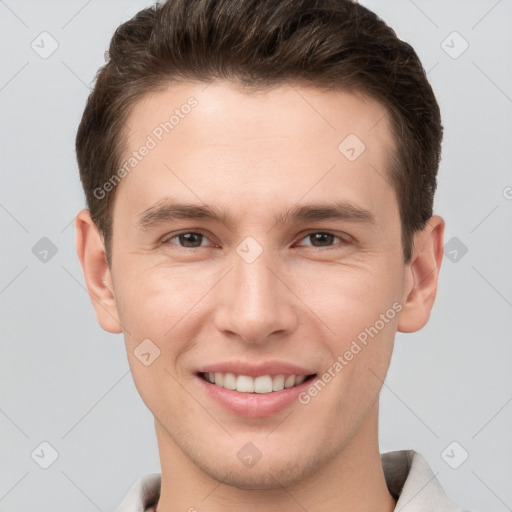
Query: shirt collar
411	481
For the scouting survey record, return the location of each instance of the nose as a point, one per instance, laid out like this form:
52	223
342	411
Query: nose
256	303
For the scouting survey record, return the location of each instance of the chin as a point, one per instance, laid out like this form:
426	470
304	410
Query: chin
275	470
273	475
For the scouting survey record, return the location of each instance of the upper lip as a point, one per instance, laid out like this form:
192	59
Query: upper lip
256	369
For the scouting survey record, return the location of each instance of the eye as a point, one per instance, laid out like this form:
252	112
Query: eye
194	239
322	239
187	240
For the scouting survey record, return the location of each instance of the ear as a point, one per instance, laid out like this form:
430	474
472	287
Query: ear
91	253
421	277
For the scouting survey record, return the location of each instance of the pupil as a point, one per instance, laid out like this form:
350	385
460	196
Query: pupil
190	238
321	237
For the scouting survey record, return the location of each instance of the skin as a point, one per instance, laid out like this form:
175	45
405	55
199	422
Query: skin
256	155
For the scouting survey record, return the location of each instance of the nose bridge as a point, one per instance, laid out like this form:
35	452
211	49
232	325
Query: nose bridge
252	281
255	304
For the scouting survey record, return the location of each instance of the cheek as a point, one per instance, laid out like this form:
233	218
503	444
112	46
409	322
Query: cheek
350	299
161	390
161	325
153	303
359	310
354	375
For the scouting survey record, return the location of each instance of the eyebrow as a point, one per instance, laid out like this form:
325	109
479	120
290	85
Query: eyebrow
167	210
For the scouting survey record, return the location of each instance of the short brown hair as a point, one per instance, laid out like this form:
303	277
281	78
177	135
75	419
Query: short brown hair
336	44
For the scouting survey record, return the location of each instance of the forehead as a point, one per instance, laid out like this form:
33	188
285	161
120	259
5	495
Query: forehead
225	144
239	113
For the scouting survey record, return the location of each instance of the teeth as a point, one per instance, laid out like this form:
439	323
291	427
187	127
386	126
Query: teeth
219	377
299	379
290	381
244	384
229	381
262	384
278	383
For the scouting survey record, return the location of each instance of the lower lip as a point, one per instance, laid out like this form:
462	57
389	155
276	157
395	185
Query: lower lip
253	405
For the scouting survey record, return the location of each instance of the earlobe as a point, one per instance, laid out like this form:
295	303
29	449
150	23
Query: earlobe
422	276
91	253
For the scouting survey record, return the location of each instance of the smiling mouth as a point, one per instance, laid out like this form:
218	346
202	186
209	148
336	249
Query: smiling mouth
261	384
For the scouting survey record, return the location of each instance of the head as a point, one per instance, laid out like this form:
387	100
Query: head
259	178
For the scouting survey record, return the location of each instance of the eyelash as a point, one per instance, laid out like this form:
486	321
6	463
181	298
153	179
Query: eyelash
167	240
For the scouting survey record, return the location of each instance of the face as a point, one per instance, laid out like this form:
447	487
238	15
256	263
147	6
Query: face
257	244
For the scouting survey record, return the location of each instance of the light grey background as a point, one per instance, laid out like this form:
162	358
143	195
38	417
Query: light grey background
65	381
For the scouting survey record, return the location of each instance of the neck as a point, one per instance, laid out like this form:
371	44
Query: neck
352	480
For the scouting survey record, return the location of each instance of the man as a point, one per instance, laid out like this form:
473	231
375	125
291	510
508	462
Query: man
259	178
